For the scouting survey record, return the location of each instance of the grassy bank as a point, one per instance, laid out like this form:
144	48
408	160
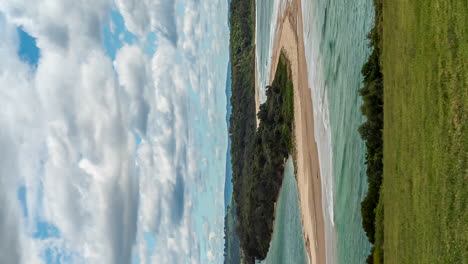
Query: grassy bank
425	196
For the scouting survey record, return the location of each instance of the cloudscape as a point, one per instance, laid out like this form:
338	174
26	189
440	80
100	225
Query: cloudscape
114	134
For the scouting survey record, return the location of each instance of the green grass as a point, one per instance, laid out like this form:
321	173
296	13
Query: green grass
425	56
379	231
375	255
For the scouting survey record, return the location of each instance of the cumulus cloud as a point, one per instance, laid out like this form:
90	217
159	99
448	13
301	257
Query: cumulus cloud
57	22
144	16
71	132
10	251
134	76
162	159
70	136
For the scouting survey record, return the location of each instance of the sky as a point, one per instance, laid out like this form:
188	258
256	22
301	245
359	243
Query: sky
113	134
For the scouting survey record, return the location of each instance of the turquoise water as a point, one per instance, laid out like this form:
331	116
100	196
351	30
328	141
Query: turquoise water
266	15
287	244
336	48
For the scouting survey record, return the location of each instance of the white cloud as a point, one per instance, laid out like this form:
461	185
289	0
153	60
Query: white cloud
9	213
68	132
68	110
144	16
14	79
134	76
61	25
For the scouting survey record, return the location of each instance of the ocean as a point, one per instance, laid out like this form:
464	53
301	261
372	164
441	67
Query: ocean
336	48
265	21
287	243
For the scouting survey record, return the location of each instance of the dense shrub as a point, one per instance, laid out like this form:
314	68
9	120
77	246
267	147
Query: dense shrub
257	156
371	130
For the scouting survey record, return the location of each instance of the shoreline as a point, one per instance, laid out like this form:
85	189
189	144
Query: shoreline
290	40
257	95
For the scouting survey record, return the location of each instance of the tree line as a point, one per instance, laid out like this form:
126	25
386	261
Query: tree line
371	132
271	147
231	239
257	155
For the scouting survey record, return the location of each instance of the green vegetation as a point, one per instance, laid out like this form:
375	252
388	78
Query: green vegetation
257	187
419	213
371	132
272	145
243	116
231	240
378	253
257	157
425	192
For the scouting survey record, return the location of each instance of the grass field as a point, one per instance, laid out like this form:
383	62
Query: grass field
425	55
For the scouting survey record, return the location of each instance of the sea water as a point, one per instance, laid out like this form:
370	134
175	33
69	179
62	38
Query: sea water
336	48
266	27
287	243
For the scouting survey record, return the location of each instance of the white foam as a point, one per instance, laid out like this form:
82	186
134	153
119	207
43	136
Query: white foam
323	137
263	70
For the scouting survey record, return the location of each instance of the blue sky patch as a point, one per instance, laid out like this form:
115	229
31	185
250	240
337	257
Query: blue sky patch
150	45
46	230
150	242
137	138
135	259
22	198
28	50
115	34
54	255
51	256
180	9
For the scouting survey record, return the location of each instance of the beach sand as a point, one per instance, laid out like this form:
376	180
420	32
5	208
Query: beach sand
289	38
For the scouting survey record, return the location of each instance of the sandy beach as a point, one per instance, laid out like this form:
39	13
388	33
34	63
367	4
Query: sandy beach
289	38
